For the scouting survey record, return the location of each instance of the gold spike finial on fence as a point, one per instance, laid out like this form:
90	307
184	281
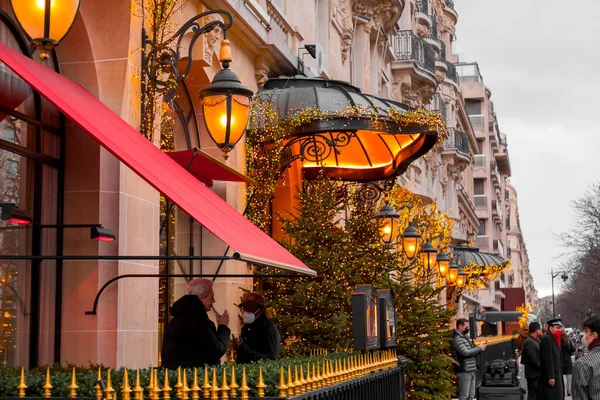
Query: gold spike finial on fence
316	377
125	388
224	387
260	386
156	387
150	386
22	386
324	374
109	390
233	386
138	392
309	380
195	389
290	383
282	386
185	389
73	386
297	383
244	389
178	384
97	385
159	360
166	389
302	380
214	390
206	386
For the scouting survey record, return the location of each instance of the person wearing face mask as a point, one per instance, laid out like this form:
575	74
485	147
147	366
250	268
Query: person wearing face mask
531	359
550	384
464	352
260	338
586	370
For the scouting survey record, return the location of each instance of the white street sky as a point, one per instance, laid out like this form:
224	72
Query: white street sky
541	60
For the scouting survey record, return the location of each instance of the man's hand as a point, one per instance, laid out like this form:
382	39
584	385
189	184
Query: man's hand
223	319
483	346
551	382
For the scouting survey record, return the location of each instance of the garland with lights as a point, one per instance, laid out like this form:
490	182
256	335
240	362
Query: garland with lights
525	311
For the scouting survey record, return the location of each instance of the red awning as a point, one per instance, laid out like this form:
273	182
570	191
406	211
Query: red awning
206	168
154	166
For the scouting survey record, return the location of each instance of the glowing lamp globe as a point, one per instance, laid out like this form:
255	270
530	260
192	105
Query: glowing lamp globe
46	22
428	255
387	219
443	264
452	272
226	109
410	242
461	278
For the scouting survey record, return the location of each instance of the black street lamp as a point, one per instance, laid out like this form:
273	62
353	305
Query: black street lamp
564	277
225	102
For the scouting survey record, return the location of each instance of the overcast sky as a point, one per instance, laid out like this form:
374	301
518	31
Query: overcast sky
541	60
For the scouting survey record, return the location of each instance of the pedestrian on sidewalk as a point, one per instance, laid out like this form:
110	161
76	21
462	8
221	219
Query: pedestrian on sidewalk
464	352
550	385
530	358
586	371
568	349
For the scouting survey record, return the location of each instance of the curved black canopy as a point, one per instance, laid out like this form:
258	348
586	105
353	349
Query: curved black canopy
471	255
368	147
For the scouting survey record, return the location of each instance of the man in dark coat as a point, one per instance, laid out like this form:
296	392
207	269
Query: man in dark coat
550	385
191	338
464	352
260	338
531	359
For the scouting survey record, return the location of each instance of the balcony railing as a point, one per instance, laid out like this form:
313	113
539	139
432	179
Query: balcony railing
408	46
480	160
480	200
423	6
433	30
437	104
457	140
451	75
477	120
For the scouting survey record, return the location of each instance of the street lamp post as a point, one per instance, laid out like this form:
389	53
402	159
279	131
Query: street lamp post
564	277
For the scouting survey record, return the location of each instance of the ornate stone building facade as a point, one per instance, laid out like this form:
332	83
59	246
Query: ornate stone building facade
396	49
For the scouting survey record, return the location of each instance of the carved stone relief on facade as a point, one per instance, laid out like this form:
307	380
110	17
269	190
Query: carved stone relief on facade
261	70
211	39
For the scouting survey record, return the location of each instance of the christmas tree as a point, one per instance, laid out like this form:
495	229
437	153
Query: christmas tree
334	232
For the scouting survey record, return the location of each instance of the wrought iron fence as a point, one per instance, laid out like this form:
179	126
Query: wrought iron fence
408	46
423	6
457	140
382	385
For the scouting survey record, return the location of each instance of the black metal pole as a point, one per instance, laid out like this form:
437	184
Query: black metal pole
116	278
59	246
235	256
553	303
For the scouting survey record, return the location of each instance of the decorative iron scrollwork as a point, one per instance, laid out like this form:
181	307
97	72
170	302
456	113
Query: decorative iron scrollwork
160	60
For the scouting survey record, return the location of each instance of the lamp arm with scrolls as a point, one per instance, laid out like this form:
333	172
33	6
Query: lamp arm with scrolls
166	56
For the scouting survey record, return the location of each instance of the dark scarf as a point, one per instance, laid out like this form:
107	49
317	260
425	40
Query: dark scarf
595	343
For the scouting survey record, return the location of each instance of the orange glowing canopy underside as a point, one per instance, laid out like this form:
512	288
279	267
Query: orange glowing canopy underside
368	155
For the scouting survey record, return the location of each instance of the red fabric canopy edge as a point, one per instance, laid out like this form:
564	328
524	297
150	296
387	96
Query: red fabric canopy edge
151	164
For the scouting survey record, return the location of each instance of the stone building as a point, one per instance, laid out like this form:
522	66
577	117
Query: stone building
399	50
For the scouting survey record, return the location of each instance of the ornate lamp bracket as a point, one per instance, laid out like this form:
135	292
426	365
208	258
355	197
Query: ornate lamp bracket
160	60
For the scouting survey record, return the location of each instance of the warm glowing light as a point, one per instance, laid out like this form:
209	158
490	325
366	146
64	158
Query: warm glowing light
19	221
104	238
224	121
443	270
387	229
42	4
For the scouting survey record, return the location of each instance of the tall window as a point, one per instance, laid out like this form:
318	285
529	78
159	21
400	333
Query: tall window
482	231
31	131
323	24
478	186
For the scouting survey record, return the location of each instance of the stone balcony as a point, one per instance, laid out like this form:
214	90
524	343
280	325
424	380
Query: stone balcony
414	69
